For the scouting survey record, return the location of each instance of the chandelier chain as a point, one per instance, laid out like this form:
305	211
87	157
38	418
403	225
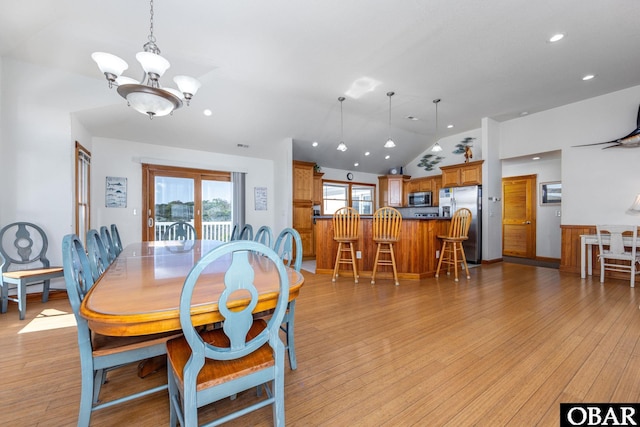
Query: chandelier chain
152	38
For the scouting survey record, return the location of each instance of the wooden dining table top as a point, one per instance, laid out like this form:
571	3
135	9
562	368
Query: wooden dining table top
139	294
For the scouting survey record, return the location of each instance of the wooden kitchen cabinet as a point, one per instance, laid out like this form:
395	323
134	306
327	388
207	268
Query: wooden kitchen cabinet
463	174
317	188
428	183
303	199
390	190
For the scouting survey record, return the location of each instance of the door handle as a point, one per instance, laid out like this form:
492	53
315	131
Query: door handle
150	222
527	222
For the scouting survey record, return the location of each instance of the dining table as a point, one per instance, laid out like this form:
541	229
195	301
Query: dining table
139	293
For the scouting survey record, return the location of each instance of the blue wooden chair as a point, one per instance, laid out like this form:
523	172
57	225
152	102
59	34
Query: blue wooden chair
180	231
99	353
264	235
115	235
234	233
288	246
246	233
97	253
23	263
105	235
204	367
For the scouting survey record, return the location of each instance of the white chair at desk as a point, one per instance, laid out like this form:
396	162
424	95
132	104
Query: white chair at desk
615	249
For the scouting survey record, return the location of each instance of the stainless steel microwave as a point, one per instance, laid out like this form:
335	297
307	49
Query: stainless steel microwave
422	198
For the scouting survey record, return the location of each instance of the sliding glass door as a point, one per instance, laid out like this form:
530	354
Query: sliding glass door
199	197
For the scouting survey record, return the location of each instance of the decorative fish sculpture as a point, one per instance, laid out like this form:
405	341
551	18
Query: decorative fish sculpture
630	141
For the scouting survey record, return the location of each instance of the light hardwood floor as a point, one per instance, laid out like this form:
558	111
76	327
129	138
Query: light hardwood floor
503	348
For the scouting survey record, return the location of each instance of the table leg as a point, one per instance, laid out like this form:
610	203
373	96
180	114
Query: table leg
149	366
582	257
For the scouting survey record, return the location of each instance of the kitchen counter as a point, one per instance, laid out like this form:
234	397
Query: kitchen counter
415	251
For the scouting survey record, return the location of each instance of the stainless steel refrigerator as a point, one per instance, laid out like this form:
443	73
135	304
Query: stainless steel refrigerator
469	197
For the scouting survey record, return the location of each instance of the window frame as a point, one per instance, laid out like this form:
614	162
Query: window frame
349	185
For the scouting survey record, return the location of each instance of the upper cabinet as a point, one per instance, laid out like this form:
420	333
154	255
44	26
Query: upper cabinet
391	190
428	183
303	181
317	188
463	174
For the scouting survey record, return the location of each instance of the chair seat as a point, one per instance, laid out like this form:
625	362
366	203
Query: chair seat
104	345
35	273
453	239
215	372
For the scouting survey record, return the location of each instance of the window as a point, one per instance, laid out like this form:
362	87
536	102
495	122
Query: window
200	197
83	193
336	195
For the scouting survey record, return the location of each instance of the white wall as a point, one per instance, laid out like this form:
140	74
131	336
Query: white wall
124	159
548	233
597	185
491	191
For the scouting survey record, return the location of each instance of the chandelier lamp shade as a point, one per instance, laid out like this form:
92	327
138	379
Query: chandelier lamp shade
147	96
390	143
436	147
342	146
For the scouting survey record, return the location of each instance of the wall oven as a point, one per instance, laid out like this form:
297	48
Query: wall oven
422	198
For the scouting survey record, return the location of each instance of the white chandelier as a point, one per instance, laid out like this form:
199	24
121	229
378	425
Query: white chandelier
147	96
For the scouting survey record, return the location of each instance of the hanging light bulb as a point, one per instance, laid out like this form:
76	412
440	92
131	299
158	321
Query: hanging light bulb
436	147
390	143
342	146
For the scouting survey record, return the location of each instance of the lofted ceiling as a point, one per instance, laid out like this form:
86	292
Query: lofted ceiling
273	70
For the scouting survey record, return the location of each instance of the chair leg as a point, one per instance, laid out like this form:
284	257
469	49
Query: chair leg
291	348
464	261
353	262
455	261
393	264
5	296
335	268
601	270
45	290
633	274
444	245
375	265
22	299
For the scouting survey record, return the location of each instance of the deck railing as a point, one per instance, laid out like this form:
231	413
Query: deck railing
215	230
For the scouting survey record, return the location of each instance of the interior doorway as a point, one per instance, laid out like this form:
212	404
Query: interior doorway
519	216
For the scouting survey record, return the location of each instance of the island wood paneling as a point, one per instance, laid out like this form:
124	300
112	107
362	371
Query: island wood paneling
415	252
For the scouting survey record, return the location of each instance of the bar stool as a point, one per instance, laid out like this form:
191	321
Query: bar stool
386	232
346	224
452	242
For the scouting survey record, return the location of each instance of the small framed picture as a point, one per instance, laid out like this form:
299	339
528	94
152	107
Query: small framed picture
116	192
550	193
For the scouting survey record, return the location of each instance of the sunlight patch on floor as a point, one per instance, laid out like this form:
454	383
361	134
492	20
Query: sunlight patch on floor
48	319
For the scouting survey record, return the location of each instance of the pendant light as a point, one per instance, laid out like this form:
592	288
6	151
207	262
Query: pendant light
436	147
342	146
390	143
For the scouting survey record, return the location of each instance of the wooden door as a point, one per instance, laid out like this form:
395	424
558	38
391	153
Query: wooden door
519	216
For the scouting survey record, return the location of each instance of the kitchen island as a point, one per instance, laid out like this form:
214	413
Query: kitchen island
415	251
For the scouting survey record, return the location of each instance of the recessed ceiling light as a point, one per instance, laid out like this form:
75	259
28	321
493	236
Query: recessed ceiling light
449	126
356	164
536	158
524	113
367	153
588	77
414	118
207	112
387	157
556	37
314	144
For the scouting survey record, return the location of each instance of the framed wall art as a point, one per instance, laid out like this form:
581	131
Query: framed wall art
116	192
550	193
